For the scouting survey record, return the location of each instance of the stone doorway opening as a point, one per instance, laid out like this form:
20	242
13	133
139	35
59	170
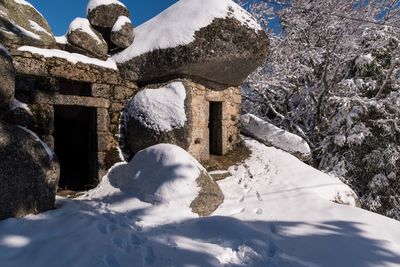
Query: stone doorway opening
75	144
215	128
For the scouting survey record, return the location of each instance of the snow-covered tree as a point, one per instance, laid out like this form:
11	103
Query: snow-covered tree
333	77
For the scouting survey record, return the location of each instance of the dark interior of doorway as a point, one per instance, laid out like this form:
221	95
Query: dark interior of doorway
75	142
215	128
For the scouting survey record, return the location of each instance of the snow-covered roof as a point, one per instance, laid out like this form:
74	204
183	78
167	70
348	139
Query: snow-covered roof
178	24
161	109
83	25
95	3
71	57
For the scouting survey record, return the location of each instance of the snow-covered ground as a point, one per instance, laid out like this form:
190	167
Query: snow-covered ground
277	212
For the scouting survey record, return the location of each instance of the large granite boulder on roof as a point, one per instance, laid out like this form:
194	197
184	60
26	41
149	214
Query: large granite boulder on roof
82	38
122	32
157	114
216	42
7	81
21	24
29	173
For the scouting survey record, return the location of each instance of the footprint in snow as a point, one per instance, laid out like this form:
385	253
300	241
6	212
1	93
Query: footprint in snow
259	197
241	199
102	228
259	211
118	242
111	261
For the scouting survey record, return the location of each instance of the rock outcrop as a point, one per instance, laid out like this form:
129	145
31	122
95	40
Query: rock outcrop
7	81
85	40
223	52
21	24
122	32
29	173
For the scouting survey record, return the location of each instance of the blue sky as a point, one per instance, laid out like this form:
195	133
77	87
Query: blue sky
59	13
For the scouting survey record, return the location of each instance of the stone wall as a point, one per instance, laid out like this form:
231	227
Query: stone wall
41	94
200	98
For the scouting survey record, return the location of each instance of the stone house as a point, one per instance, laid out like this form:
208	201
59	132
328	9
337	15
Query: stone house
75	94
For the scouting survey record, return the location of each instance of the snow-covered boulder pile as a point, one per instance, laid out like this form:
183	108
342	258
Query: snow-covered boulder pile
166	177
22	24
85	40
29	173
156	115
112	19
7	81
271	135
212	41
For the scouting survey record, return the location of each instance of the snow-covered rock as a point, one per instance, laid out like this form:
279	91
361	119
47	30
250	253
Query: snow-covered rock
29	173
22	24
271	135
7	81
86	40
104	13
216	41
167	177
122	32
155	115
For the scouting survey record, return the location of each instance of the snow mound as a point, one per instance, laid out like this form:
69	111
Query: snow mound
163	175
178	24
274	136
161	109
71	57
95	3
121	21
83	25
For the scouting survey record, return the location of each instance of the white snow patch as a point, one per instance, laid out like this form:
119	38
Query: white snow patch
95	3
18	104
61	39
26	32
272	135
178	24
161	109
49	151
71	57
83	25
23	2
364	60
38	28
14	241
121	21
5	50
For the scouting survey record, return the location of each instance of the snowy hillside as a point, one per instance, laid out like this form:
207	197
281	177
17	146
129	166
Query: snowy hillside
277	212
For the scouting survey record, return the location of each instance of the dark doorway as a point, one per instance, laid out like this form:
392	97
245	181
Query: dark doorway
215	128
75	142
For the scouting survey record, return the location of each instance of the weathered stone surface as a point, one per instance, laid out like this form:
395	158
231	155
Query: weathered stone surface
82	38
222	54
7	81
210	196
38	118
105	16
21	24
122	34
28	176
